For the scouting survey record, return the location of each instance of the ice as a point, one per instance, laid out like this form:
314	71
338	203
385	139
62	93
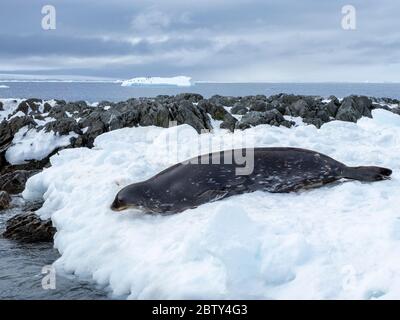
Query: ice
340	241
179	81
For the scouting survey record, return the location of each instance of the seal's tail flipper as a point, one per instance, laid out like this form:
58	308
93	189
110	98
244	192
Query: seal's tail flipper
367	173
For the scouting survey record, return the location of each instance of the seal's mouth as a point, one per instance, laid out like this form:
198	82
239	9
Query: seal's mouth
118	206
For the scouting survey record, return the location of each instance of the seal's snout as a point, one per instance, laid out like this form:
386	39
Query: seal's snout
117	204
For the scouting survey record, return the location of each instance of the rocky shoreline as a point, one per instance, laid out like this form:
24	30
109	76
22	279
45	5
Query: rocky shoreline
84	122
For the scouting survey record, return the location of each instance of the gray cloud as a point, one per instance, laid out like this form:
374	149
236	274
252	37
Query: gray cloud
252	40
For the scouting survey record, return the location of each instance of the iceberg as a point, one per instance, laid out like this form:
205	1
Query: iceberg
179	81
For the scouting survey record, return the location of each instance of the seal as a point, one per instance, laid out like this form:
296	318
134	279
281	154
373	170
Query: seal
214	176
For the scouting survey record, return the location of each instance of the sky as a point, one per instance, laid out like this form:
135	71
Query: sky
208	40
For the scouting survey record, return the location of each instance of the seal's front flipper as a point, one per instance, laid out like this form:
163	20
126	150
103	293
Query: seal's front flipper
211	196
367	173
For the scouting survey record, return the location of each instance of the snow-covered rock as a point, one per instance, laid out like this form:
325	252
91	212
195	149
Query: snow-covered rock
30	144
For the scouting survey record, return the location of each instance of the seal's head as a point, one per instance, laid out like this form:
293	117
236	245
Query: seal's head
128	197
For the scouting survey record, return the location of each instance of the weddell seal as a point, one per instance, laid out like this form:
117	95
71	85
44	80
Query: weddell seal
215	176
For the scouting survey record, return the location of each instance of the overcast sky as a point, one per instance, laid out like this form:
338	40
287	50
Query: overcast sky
219	40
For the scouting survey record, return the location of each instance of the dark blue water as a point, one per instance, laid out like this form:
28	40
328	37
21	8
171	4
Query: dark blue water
94	92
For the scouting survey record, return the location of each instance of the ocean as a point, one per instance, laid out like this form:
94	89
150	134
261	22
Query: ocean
98	91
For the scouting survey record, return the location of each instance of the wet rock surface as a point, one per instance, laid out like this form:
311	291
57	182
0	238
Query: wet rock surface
28	227
5	200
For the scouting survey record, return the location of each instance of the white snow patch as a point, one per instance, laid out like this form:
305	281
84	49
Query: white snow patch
29	144
340	241
179	81
3	86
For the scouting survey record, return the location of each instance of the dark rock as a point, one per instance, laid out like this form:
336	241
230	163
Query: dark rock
239	109
14	182
218	112
353	108
223	101
332	108
186	113
253	118
63	126
297	108
1	106
29	106
191	97
334	100
314	121
229	122
32	205
258	105
380	106
153	113
364	105
46	107
8	128
28	227
5	200
396	110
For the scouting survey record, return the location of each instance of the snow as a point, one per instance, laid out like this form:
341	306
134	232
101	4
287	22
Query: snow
179	81
4	86
340	241
29	144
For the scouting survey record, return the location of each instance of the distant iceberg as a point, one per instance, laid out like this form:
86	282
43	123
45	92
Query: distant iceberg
179	81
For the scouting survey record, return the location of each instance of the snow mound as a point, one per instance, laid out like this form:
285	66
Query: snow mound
179	81
340	241
29	144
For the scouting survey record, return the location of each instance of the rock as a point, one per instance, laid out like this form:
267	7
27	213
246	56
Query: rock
29	106
1	106
253	118
63	126
334	100
364	105
229	122
186	113
258	105
396	110
8	128
314	121
353	108
297	108
380	106
218	112
46	107
14	182
28	227
223	101
332	108
191	97
5	200
238	108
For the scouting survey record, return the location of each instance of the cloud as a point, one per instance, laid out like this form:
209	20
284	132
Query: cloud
222	40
